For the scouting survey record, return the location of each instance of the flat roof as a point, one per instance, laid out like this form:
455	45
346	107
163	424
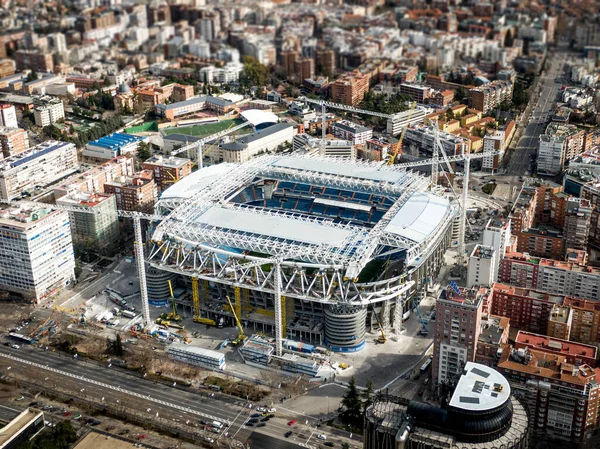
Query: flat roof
343	204
196	350
9	431
419	216
480	388
95	440
374	173
278	226
258	116
115	140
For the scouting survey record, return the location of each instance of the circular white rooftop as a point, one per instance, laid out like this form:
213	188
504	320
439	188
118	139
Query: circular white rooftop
480	388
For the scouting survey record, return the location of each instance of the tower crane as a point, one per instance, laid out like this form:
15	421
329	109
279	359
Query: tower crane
198	146
392	159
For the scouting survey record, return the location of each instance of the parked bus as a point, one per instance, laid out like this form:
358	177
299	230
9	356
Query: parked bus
426	365
21	338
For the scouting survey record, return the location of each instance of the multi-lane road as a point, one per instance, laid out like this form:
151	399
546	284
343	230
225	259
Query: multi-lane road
536	115
115	386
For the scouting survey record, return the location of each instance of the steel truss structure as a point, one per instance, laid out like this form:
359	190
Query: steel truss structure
326	273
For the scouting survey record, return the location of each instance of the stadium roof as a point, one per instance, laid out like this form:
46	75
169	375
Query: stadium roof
196	181
258	116
418	218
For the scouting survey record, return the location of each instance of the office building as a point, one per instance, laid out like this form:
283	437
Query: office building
8	116
457	329
193	355
111	146
36	252
419	92
13	141
264	141
482	266
559	144
562	398
167	170
357	134
97	230
136	193
481	413
527	309
48	110
28	172
397	122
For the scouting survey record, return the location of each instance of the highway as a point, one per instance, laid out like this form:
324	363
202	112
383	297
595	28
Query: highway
184	407
536	114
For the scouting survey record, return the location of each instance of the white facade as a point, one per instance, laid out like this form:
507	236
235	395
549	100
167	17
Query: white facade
398	122
266	141
493	143
36	168
50	113
229	73
356	134
483	267
36	252
452	359
200	48
551	155
8	116
497	236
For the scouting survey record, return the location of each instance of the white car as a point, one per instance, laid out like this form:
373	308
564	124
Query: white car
261	409
209	440
272	410
321	436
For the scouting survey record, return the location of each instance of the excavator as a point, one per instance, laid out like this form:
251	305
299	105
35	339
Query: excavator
241	336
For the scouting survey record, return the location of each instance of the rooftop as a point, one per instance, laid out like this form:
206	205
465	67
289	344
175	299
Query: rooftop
194	101
492	329
10	431
527	293
33	153
483	252
95	440
473	296
480	388
170	162
556	345
115	141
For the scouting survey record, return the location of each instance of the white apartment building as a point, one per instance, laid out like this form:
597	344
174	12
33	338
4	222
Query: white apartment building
483	267
333	148
49	110
36	252
398	122
8	116
570	279
559	144
353	132
493	143
497	235
229	73
27	172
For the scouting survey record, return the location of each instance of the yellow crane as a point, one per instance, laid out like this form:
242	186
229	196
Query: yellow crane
392	159
241	336
382	338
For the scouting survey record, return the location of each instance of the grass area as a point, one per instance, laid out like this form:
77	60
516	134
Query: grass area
203	130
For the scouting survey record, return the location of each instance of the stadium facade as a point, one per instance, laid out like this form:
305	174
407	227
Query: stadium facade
353	240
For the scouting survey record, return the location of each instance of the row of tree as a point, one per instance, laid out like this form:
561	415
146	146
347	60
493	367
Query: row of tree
62	436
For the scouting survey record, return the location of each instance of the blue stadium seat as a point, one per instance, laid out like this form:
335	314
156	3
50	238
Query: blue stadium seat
376	216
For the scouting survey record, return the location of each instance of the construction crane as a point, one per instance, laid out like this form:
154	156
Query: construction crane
173	315
382	338
138	241
241	336
392	159
199	144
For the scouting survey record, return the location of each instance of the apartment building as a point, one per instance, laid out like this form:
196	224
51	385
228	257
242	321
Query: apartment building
397	122
490	95
326	58
562	397
137	193
98	230
167	170
8	116
13	141
35	60
585	320
560	322
519	269
559	144
350	88
182	92
379	148
497	235
419	92
353	132
419	140
457	329
482	266
527	309
48	110
493	336
542	243
36	252
93	180
578	217
27	172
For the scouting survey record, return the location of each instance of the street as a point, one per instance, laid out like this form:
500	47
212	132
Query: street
116	386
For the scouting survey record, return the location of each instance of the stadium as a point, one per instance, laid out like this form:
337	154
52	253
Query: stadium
353	241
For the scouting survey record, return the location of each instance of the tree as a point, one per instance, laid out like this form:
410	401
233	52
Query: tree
449	114
461	95
32	76
143	151
115	347
351	405
255	74
367	395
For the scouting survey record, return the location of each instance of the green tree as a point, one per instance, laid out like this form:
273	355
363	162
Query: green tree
449	114
255	74
367	395
351	405
461	95
32	76
115	347
143	151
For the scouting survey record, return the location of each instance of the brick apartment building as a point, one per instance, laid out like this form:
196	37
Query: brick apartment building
457	329
13	141
350	88
493	336
137	193
167	170
562	397
582	321
491	95
182	92
35	60
541	243
527	309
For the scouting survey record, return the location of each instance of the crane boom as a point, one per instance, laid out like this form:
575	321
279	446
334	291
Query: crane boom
402	134
344	107
241	335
